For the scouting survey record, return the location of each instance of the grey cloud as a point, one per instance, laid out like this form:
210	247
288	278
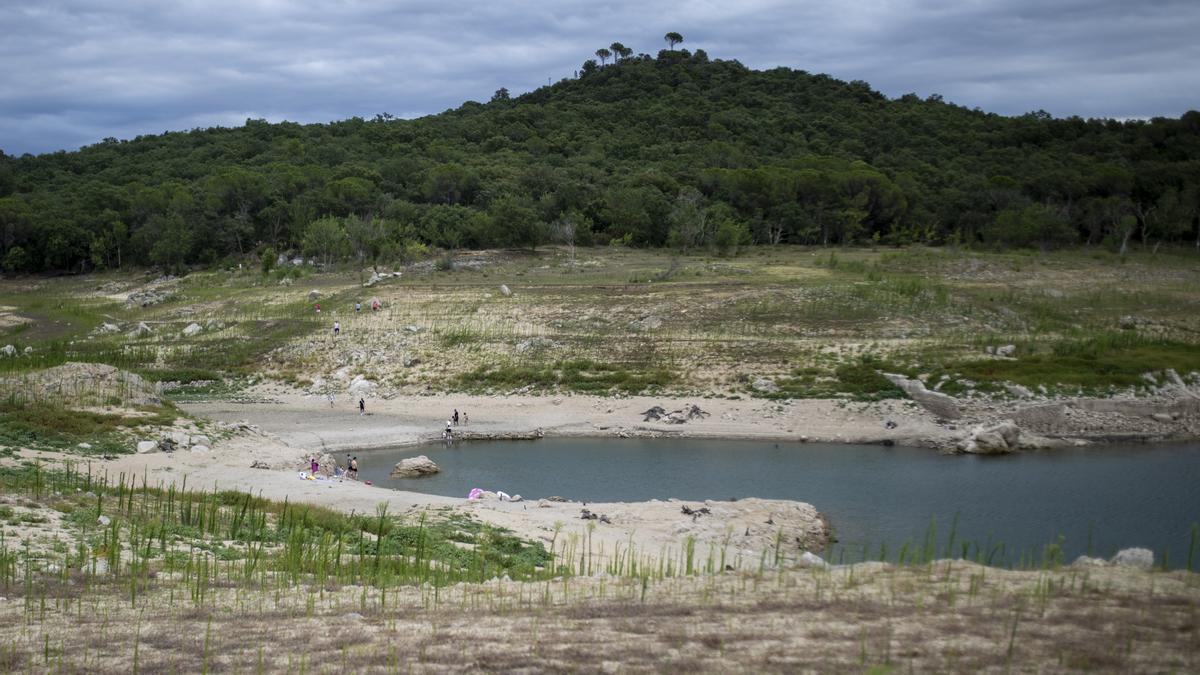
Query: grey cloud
77	71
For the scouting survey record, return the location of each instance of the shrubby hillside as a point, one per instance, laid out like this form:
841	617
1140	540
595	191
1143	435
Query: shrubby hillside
673	150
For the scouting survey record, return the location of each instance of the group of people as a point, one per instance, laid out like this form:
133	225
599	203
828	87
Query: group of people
448	434
350	472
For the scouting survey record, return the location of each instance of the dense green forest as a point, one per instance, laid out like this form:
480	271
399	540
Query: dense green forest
671	150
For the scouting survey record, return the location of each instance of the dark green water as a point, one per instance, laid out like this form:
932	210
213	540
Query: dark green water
1098	499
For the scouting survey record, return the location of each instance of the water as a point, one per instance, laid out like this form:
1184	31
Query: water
1099	499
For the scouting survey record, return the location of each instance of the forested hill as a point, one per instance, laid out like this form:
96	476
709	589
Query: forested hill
672	150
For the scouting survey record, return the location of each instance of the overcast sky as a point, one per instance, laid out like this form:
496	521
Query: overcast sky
75	71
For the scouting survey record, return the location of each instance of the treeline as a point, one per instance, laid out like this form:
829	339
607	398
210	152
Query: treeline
667	150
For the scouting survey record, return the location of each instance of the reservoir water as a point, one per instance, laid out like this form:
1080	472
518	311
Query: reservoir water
1097	499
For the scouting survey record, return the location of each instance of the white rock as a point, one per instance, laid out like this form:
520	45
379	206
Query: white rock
8	350
413	467
314	294
180	438
84	446
809	559
1086	561
144	447
765	385
1006	350
104	521
505	291
199	448
1141	558
192	329
200	440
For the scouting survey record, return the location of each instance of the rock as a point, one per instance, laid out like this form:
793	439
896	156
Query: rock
411	361
199	448
200	440
1006	350
810	560
192	329
180	438
314	294
1017	390
1141	558
414	467
286	281
1086	561
352	616
144	447
414	329
765	385
649	322
361	386
997	439
28	350
8	350
259	464
103	521
1162	417
375	278
1174	378
1130	322
505	291
107	329
84	446
937	403
1149	377
535	344
142	330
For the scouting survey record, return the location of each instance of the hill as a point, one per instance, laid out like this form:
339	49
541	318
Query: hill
673	150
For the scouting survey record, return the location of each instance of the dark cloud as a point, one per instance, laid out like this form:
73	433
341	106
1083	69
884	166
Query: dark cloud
77	71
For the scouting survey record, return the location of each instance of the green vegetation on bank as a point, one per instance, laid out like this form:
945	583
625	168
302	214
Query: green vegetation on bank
673	150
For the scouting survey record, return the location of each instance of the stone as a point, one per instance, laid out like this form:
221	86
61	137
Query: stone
411	361
108	328
939	404
1006	350
361	386
200	439
1140	558
1165	418
535	344
286	281
314	294
144	447
84	446
28	350
142	330
414	467
1017	390
648	322
1174	378
103	521
764	385
810	560
1149	377
375	278
1087	561
505	291
192	329
414	329
997	439
199	448
8	350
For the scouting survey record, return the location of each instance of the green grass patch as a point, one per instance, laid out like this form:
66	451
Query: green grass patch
581	375
49	426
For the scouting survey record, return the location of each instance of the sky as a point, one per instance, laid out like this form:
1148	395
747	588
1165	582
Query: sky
73	72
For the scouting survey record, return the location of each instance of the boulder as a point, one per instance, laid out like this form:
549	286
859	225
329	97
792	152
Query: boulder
414	467
375	278
505	291
997	439
810	560
1006	350
1141	558
144	447
1087	561
179	438
103	521
535	344
142	330
764	385
1165	418
192	329
199	448
107	328
1017	390
939	404
411	361
361	386
200	440
314	294
8	350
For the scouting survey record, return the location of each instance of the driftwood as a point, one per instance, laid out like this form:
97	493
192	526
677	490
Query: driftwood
695	513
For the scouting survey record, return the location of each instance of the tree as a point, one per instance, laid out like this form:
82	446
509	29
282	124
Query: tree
566	228
673	39
689	221
620	52
269	258
501	95
603	54
326	238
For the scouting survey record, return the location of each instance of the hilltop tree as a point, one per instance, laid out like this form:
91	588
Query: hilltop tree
673	39
603	54
620	51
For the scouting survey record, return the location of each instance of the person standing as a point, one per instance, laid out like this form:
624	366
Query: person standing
455	418
337	328
362	407
312	463
354	468
357	307
331	399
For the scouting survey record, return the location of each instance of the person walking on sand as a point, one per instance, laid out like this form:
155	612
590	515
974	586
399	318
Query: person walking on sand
331	399
337	328
455	418
362	407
